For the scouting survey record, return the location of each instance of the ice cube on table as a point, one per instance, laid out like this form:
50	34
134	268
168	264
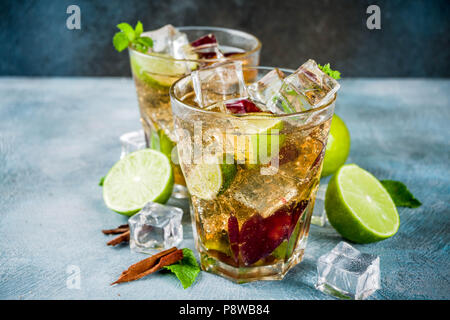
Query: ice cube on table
222	82
156	226
132	141
265	88
319	216
307	88
346	273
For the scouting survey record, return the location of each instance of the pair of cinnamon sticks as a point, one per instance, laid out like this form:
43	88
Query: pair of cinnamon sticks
123	232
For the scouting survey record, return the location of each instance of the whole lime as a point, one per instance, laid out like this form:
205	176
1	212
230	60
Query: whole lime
338	146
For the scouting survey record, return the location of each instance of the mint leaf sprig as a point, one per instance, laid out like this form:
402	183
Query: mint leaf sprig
400	194
131	37
332	73
186	269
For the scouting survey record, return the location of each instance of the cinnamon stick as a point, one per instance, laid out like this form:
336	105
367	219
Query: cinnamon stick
150	265
120	229
123	237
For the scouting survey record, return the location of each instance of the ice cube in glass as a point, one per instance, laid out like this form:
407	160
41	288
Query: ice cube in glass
222	82
346	273
265	88
307	88
177	42
132	141
156	226
162	38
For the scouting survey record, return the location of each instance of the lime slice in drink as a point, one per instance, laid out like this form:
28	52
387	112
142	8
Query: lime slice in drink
142	176
157	69
359	207
208	180
218	245
257	140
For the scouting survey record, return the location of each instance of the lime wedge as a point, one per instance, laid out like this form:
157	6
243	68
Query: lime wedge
359	207
208	180
257	140
157	69
142	176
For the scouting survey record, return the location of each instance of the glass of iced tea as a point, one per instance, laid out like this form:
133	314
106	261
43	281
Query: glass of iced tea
251	144
177	52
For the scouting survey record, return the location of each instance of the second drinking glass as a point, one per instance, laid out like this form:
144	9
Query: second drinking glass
155	72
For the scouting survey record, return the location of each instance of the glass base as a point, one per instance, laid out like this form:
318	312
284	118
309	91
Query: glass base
275	271
180	192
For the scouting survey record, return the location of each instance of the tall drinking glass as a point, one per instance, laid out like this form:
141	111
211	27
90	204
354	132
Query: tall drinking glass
154	73
252	179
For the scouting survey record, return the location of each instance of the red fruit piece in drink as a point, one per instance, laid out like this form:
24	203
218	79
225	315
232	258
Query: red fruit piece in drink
242	106
277	226
205	40
233	235
252	239
259	237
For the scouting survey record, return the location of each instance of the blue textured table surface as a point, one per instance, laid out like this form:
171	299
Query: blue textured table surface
59	136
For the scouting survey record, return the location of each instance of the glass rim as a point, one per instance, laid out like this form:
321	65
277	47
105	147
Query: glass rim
252	115
187	28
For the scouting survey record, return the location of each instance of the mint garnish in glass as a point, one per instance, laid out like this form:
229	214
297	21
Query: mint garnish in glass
131	37
332	73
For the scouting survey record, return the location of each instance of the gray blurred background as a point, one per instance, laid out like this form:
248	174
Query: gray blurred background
413	40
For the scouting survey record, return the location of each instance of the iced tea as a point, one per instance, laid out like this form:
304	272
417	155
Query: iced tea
252	169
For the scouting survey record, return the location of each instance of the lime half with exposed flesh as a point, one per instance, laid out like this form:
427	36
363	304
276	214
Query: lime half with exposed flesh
142	176
359	207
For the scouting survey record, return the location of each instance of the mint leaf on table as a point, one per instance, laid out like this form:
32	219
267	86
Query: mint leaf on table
129	36
332	73
186	269
400	194
102	179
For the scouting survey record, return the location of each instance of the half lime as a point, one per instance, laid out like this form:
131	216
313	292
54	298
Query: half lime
359	207
142	176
